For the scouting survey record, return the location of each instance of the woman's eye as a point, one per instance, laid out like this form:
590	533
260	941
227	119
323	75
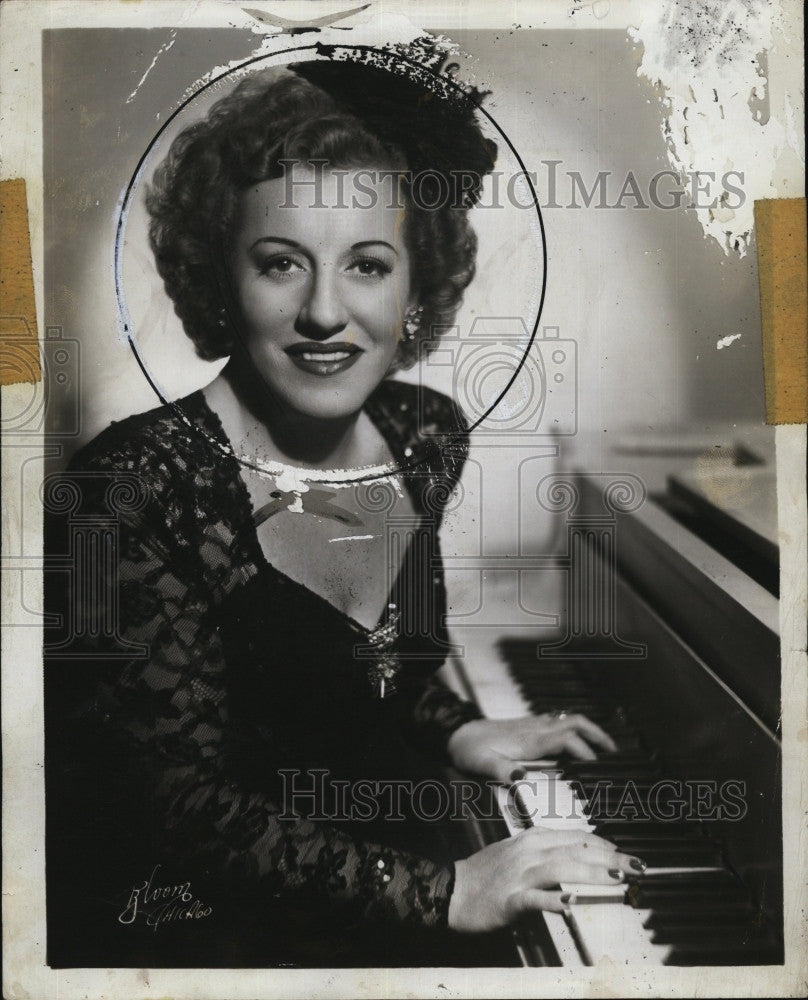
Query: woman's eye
369	267
281	266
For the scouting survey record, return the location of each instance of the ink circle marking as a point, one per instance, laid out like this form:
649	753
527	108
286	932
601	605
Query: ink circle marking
134	180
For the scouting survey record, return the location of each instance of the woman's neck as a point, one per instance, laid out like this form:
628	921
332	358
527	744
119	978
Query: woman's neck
259	426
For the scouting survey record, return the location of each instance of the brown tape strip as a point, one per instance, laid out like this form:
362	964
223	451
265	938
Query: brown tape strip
783	278
19	349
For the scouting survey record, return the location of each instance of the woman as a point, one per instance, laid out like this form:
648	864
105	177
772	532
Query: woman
242	765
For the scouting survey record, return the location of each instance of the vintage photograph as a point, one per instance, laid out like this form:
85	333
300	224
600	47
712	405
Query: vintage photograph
396	550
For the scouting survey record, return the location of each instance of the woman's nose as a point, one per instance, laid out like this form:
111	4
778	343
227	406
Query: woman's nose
323	312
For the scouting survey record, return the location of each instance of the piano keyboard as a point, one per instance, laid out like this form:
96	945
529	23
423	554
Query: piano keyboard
690	907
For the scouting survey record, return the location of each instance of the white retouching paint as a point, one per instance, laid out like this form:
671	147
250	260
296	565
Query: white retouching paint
163	48
708	61
726	341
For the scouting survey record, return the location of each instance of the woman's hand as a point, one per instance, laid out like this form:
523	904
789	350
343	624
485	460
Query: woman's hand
521	875
494	747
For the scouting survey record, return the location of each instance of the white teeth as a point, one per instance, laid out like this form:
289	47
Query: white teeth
331	356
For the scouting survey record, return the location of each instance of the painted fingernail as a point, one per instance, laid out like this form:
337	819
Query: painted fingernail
637	865
518	773
616	873
567	899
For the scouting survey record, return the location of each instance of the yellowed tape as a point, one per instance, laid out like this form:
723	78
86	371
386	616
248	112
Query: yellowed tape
783	277
19	349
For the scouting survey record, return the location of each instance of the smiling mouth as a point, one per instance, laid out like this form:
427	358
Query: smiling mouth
329	356
324	359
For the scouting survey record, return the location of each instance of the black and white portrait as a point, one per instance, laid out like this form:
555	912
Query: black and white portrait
397	555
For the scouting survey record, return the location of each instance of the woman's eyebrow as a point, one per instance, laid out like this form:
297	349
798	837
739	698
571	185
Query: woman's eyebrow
297	246
276	239
374	243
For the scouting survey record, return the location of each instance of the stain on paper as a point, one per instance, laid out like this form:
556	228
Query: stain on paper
708	62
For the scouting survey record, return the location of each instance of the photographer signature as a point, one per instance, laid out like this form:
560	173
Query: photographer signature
162	904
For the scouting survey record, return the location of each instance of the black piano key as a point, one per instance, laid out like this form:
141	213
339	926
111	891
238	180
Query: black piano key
676	885
671	892
682	854
653	829
740	954
608	759
685	879
684	909
617	800
615	791
624	801
723	900
698	919
718	933
610	772
660	852
569	767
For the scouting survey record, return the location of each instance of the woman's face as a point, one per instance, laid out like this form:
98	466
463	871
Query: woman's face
322	287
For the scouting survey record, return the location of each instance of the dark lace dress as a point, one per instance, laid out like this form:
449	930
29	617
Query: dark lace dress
220	750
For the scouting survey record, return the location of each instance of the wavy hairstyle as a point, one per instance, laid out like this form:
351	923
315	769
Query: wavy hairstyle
277	115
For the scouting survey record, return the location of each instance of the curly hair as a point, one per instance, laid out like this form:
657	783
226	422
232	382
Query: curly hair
272	116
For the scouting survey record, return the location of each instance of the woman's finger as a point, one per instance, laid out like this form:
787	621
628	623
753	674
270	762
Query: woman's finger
577	747
585	853
591	731
502	768
553	871
533	900
599	854
586	850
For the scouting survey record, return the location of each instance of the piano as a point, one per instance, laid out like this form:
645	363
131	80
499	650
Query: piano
669	640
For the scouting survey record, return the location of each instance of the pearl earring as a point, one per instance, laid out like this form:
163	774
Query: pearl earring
222	317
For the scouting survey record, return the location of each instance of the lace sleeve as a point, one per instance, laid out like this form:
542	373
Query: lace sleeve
436	713
169	712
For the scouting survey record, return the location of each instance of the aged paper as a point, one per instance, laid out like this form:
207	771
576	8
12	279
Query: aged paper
607	355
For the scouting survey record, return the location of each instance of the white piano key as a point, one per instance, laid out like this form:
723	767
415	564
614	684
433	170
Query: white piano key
615	933
685	870
510	813
586	891
563	938
550	802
